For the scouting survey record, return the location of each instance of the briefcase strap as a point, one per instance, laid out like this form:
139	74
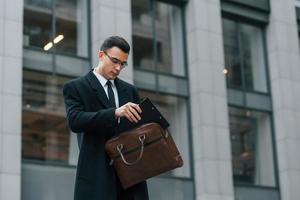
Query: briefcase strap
142	139
167	133
120	148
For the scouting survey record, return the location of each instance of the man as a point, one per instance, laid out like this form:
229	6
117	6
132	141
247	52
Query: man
95	105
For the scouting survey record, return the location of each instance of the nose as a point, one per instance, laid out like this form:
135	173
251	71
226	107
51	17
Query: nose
118	67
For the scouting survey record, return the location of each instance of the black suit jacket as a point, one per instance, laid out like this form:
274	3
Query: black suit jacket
89	115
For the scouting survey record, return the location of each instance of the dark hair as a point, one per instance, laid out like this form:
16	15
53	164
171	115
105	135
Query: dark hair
115	41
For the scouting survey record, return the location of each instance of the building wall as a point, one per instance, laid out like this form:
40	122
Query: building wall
210	128
283	53
11	26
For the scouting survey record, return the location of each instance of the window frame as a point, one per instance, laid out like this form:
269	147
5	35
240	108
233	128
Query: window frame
243	87
153	11
274	151
254	17
53	72
53	50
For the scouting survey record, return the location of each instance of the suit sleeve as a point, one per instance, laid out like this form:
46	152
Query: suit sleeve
81	121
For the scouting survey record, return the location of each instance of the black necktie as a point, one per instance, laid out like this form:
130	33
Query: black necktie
111	96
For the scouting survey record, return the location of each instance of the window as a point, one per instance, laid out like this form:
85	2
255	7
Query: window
158	51
45	134
249	105
62	25
37	30
251	145
157	37
244	56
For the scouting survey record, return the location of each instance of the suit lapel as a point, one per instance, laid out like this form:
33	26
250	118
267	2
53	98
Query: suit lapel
122	92
98	89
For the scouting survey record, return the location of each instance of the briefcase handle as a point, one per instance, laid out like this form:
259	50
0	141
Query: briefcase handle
120	147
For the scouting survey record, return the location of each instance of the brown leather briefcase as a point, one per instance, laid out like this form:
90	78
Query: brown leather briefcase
142	152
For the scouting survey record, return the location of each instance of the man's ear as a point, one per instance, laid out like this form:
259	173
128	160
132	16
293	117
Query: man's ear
101	55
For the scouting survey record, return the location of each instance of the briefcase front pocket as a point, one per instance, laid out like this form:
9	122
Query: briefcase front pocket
142	153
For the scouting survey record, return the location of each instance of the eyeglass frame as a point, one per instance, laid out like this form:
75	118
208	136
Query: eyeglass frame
116	60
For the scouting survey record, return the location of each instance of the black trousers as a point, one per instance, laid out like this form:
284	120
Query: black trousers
129	193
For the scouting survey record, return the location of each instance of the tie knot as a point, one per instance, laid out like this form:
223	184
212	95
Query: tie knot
108	83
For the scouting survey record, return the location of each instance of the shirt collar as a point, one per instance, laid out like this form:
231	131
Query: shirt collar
102	80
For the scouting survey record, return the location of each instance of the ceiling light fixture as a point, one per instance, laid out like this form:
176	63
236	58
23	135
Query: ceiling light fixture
58	39
225	71
48	46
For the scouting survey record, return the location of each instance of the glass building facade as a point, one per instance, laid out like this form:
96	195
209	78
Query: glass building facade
47	143
45	135
224	73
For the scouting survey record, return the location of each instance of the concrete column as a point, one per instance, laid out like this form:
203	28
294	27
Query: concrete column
284	66
112	17
11	33
210	127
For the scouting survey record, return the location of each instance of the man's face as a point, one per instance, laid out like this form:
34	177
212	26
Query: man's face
112	62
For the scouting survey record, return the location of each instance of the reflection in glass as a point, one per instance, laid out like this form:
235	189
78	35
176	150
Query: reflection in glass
142	38
253	58
45	135
244	56
251	145
157	37
37	30
70	22
169	42
175	110
231	48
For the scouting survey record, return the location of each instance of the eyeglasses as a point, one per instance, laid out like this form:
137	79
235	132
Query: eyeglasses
116	60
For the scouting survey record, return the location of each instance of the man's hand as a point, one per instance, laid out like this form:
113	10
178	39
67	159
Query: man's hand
129	110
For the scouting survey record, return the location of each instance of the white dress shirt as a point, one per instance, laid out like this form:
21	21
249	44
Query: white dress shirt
103	82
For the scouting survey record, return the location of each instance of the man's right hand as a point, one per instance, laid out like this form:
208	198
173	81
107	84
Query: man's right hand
129	110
